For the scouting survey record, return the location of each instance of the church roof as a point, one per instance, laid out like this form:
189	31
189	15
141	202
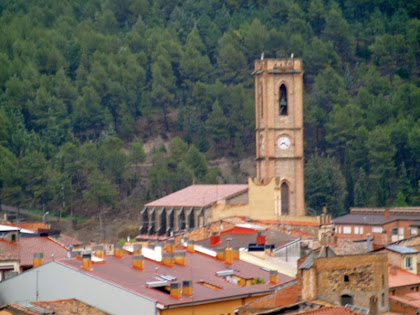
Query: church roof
199	196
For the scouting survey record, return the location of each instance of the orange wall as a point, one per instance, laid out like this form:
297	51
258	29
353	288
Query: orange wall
218	308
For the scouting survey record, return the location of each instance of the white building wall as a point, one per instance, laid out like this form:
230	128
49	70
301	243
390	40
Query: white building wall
55	281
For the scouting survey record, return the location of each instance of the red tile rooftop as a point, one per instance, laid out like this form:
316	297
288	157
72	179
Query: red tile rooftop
401	278
412	299
69	307
339	310
25	248
198	196
199	268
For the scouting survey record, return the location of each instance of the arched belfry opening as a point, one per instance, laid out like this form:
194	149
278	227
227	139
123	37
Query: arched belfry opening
283	101
284	199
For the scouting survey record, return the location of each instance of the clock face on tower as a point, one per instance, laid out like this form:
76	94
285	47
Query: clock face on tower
283	143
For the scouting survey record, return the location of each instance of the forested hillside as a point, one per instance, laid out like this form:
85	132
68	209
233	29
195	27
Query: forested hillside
85	83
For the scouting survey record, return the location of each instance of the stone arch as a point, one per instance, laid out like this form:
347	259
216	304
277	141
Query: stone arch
162	222
181	220
346	299
144	228
283	100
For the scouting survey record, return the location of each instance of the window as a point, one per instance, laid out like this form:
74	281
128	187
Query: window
377	229
361	230
413	231
346	229
383	299
394	231
356	230
339	229
408	262
284	199
283	101
346	278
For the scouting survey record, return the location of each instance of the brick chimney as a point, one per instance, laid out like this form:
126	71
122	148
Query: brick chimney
214	239
187	289
168	259
235	252
175	291
190	246
220	253
87	261
180	259
373	305
274	276
38	259
229	252
387	214
98	251
170	245
118	251
260	238
138	262
137	249
393	270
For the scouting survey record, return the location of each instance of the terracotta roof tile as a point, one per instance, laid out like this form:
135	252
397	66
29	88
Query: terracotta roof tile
198	196
119	271
67	240
25	248
339	310
69	307
401	278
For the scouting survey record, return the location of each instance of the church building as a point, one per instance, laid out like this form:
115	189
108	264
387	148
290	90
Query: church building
277	192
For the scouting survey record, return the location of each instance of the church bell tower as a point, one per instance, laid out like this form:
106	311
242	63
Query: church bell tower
279	131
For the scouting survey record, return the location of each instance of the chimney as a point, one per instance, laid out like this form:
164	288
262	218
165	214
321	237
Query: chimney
220	253
180	259
260	238
274	276
159	246
170	245
175	290
393	270
387	214
229	252
138	262
98	251
214	239
187	288
38	259
137	249
87	261
168	259
369	243
373	305
118	251
235	252
190	246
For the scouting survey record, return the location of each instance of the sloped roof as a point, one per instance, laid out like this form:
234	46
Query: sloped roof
401	249
337	310
373	219
401	278
324	251
243	239
199	196
62	307
25	248
67	240
119	272
69	307
412	299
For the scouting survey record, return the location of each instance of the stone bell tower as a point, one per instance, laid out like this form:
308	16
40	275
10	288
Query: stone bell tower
279	131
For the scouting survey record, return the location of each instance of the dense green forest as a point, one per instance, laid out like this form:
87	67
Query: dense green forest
84	84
